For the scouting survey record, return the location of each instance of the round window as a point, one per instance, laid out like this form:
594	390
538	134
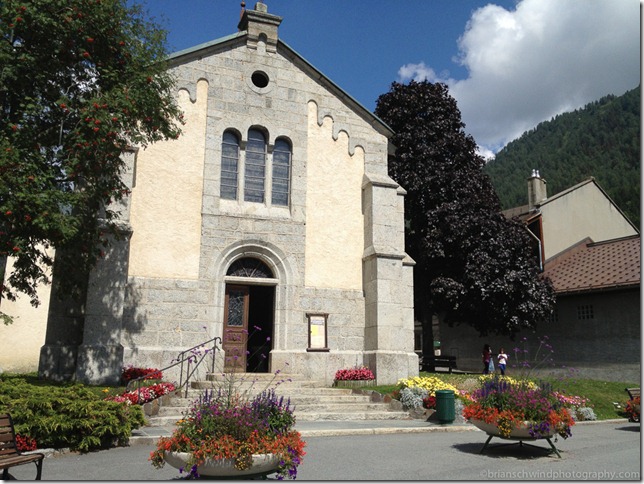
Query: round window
260	79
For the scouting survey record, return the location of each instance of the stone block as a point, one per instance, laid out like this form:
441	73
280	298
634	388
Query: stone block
99	364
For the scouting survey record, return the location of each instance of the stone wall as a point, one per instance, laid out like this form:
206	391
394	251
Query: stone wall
607	347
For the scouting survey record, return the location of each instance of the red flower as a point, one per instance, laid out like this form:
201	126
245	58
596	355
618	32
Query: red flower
24	443
357	373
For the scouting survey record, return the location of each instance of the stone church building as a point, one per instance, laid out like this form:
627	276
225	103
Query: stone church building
271	223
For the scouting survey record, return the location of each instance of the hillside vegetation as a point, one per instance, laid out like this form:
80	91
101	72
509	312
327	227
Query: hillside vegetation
601	140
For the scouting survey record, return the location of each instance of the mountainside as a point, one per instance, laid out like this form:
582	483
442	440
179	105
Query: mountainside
601	140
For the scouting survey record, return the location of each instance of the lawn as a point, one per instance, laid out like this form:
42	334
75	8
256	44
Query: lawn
601	394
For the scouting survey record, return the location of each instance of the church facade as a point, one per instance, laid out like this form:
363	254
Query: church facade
271	223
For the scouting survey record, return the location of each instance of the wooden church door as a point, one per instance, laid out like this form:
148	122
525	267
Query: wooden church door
235	339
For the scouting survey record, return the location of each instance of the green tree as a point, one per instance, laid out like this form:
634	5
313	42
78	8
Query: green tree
601	140
473	265
80	82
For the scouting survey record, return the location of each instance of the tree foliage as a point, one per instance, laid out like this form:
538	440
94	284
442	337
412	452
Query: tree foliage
80	82
473	265
601	140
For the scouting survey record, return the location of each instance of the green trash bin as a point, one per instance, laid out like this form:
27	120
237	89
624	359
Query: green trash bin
445	412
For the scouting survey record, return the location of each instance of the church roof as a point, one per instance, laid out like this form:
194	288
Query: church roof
593	266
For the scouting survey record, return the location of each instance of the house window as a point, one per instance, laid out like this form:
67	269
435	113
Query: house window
255	171
554	317
281	172
585	311
229	165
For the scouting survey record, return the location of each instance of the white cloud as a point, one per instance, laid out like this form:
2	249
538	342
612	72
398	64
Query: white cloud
539	60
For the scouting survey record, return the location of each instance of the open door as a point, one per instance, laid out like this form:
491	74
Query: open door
235	338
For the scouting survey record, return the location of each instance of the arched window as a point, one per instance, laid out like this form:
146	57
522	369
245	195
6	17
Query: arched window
249	267
229	165
255	171
281	172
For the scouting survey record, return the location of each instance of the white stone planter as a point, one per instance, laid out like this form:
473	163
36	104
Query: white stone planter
263	464
519	433
353	383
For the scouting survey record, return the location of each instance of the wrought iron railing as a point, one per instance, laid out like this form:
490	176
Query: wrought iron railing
189	360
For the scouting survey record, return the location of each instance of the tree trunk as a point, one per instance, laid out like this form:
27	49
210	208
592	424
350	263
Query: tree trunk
424	314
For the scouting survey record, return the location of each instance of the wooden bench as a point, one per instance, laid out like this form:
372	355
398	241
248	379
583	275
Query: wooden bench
633	393
9	454
430	364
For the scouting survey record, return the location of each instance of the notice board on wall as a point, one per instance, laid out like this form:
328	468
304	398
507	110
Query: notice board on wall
317	331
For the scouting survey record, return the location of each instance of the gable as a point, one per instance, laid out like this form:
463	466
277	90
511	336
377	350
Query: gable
216	47
579	212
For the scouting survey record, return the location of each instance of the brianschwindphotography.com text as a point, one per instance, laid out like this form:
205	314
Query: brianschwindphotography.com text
560	475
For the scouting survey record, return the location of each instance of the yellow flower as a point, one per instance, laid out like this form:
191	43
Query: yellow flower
429	383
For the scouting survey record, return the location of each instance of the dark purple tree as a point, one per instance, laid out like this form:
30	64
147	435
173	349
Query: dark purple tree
474	266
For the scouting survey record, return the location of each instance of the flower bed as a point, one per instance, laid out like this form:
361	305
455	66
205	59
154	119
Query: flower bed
144	394
420	392
358	373
130	373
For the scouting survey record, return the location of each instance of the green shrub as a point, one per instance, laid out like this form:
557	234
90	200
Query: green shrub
67	416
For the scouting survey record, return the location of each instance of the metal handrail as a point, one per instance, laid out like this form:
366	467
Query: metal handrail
187	357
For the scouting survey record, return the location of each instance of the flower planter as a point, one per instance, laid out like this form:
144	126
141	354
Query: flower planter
263	464
520	433
353	383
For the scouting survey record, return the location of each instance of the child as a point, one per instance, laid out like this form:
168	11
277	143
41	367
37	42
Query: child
487	359
503	358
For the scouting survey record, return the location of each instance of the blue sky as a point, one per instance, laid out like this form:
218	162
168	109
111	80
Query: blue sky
509	64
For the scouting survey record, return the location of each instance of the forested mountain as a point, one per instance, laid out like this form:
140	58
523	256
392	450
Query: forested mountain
601	140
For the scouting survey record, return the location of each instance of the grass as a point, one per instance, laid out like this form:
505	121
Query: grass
601	394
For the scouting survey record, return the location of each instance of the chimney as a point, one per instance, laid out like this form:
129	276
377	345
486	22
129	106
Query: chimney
260	26
536	190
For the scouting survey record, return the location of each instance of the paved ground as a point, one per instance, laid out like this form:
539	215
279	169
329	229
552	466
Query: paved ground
398	450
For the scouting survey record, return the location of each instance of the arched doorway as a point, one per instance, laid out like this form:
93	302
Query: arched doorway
248	316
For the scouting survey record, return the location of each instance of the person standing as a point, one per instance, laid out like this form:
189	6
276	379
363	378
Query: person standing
503	359
487	358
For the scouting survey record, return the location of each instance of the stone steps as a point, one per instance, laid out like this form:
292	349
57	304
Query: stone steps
319	407
311	400
355	415
295	400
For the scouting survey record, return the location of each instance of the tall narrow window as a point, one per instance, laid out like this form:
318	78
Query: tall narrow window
255	171
229	165
281	172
